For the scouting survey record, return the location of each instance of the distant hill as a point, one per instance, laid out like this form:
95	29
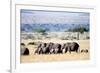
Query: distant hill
51	27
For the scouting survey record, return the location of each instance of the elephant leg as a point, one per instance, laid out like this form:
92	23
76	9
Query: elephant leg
78	50
69	49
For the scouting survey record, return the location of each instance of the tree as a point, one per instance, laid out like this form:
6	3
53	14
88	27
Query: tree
41	30
80	29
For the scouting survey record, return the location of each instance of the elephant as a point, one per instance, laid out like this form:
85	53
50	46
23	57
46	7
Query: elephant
65	47
24	51
74	47
51	49
70	47
38	50
42	48
57	48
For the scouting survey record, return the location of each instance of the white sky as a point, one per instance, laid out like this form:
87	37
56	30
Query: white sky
42	17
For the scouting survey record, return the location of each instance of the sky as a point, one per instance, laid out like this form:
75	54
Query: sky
53	17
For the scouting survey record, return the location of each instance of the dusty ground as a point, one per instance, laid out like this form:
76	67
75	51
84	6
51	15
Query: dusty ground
84	44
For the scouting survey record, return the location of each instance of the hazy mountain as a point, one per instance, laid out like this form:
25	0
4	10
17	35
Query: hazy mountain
51	27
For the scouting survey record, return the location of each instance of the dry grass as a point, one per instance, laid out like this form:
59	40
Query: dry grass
84	44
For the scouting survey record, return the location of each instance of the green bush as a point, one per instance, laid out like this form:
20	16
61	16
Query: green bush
41	30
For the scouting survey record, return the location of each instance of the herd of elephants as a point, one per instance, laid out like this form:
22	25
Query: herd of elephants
53	48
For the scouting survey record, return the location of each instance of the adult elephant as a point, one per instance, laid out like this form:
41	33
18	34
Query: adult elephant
57	48
66	47
50	48
38	49
74	47
43	48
